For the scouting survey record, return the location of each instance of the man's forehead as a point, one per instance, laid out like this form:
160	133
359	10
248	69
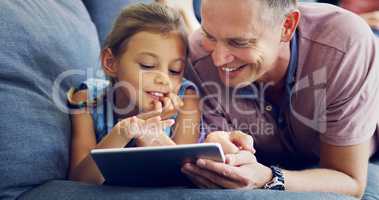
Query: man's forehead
230	19
247	7
230	33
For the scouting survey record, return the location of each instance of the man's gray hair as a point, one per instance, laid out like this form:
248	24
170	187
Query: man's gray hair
279	8
280	3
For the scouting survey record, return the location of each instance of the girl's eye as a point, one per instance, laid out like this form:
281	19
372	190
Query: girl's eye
146	66
174	72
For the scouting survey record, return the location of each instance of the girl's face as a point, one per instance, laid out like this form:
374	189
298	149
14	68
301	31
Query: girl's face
151	67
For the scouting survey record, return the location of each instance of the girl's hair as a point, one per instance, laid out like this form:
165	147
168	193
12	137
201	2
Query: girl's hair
154	17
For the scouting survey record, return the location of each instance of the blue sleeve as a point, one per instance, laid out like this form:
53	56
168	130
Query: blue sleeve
96	102
186	84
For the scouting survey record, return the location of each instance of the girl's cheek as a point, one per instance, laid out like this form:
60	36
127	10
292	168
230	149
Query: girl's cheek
146	80
143	76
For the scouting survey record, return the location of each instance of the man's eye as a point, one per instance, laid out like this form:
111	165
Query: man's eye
209	37
239	44
145	66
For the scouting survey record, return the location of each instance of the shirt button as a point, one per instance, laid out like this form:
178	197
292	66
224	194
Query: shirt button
269	108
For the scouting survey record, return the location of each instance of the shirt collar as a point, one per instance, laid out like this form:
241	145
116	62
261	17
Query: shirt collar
292	66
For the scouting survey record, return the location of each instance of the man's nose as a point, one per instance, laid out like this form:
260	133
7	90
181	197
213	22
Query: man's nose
221	55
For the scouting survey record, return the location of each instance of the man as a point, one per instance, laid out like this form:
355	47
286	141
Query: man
302	80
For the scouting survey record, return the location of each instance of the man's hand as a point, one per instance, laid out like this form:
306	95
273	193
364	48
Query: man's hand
241	169
242	172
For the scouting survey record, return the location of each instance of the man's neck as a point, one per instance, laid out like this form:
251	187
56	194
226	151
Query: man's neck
276	77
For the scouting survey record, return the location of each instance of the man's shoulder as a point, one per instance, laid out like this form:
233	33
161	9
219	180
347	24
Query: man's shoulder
331	26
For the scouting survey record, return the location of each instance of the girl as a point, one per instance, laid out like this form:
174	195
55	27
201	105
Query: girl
144	57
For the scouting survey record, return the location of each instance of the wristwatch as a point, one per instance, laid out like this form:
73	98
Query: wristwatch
277	181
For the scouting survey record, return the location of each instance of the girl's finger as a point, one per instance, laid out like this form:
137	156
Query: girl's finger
134	127
157	111
156	125
176	101
154	119
242	140
240	158
224	140
167	105
167	123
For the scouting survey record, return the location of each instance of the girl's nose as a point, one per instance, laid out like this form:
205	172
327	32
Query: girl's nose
162	79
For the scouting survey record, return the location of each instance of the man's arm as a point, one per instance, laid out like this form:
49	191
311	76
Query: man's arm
342	170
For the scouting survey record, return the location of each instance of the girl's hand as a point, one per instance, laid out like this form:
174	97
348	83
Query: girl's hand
156	136
232	142
135	127
165	108
171	105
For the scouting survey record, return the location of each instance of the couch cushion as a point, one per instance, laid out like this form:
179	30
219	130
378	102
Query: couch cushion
104	13
68	190
39	41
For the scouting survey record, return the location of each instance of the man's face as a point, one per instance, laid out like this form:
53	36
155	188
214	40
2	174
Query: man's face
243	48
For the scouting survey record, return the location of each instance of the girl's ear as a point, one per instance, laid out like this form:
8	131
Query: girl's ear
108	62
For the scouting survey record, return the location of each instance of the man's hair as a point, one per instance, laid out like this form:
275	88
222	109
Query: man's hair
280	3
279	8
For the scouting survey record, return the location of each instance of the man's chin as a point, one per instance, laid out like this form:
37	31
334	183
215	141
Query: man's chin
237	83
244	78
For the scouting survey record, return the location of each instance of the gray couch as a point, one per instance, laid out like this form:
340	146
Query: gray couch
47	47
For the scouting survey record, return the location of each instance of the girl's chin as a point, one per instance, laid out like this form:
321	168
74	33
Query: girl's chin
149	105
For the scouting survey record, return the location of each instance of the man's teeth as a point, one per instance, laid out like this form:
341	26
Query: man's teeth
158	94
226	69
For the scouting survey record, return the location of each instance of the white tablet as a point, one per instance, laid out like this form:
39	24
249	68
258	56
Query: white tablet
152	166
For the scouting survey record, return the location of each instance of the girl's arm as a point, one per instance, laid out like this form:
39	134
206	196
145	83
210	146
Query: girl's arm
187	127
82	166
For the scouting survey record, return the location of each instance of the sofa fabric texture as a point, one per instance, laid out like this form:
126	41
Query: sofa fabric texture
40	40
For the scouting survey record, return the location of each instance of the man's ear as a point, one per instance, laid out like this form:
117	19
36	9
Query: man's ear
108	62
290	24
